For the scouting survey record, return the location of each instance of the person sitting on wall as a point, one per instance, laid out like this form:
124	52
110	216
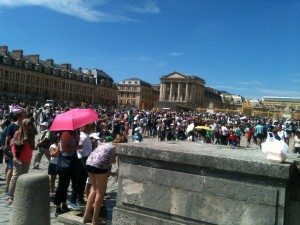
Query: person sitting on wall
137	137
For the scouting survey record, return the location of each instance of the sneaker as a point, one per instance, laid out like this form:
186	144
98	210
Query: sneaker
58	211
80	202
74	206
6	190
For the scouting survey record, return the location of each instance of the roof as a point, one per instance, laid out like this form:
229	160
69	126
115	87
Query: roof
141	82
184	75
283	99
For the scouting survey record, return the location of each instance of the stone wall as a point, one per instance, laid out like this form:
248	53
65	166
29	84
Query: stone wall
191	183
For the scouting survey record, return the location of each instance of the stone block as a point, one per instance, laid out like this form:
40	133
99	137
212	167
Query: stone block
145	195
131	217
219	210
242	191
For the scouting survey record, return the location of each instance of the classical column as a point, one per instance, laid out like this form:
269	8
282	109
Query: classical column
171	91
160	92
164	91
178	92
186	92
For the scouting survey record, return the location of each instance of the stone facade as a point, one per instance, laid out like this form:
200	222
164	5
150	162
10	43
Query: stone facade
281	103
137	93
180	90
29	77
232	101
212	96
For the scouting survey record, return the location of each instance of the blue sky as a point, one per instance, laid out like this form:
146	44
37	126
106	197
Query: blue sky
246	47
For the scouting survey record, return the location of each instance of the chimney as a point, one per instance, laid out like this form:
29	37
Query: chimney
3	49
34	58
50	62
66	66
18	54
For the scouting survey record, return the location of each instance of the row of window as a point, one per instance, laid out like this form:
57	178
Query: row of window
131	88
131	102
44	82
47	70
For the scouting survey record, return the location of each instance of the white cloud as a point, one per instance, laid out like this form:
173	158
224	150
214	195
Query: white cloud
144	6
175	54
145	59
255	82
227	88
83	9
278	92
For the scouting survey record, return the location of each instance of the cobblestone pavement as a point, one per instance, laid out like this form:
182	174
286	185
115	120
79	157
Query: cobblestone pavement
6	208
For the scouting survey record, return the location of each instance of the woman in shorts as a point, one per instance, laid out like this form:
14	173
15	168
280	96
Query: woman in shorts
98	167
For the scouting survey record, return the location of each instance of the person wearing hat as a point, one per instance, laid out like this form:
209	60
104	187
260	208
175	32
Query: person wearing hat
297	141
43	145
137	137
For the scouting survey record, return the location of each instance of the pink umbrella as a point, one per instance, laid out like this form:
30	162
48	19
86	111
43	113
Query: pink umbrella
74	119
15	108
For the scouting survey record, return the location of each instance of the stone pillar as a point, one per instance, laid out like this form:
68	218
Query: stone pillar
31	202
160	92
171	91
186	92
164	91
178	92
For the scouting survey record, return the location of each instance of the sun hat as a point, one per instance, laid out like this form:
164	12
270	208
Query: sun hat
45	124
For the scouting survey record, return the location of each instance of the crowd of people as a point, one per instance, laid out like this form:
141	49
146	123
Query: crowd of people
84	156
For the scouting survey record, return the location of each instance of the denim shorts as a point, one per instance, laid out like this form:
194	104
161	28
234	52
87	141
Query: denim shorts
9	163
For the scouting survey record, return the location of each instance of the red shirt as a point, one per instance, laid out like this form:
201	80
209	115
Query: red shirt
25	155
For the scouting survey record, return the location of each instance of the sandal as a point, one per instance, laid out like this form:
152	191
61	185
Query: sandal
10	200
100	222
87	220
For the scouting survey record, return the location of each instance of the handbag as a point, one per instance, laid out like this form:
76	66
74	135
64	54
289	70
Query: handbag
66	165
19	149
276	150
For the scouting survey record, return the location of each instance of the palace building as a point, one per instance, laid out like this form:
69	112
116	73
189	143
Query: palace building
281	103
137	93
181	91
30	78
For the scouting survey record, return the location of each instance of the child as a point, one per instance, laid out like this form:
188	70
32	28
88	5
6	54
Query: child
54	153
233	139
249	135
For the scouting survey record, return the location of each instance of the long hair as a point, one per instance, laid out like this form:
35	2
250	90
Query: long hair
25	133
120	138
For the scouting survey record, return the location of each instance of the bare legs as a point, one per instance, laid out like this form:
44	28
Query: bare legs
99	182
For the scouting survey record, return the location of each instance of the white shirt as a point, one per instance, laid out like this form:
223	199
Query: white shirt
296	142
86	143
282	134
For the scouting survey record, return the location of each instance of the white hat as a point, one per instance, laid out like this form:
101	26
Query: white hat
137	129
45	124
95	136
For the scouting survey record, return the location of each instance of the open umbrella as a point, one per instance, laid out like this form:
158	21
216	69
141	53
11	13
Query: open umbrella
15	108
74	119
202	128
